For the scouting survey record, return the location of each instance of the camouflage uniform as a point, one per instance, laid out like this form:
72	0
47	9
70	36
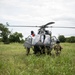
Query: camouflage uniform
57	48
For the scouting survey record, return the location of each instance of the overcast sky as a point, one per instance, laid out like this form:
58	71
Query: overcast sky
38	12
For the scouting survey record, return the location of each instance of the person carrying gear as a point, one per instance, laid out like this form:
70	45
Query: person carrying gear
28	49
57	48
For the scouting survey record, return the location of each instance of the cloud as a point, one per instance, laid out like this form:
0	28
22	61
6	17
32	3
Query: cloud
65	18
37	12
45	8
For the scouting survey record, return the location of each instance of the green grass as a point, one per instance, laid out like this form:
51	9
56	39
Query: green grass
13	61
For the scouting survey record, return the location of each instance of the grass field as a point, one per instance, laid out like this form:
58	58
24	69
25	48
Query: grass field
13	61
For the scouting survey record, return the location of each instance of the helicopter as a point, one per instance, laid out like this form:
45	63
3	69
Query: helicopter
43	40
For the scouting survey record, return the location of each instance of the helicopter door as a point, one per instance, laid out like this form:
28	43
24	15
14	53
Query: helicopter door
37	40
53	40
47	40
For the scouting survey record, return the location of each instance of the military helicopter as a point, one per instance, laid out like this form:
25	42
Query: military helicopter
43	40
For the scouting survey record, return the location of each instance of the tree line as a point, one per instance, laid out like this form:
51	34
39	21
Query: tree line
7	37
70	39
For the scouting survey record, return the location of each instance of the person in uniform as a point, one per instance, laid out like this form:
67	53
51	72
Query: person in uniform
57	48
28	49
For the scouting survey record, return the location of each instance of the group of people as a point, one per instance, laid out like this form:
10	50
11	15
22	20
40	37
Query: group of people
42	49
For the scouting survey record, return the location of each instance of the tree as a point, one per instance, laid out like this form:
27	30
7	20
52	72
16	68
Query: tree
15	37
62	38
70	39
4	33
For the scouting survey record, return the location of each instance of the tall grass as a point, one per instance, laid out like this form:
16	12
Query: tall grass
13	61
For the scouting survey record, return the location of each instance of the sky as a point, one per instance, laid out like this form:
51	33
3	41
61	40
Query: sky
37	13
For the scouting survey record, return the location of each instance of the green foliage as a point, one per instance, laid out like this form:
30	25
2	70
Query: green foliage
62	38
13	61
70	39
4	33
0	39
15	37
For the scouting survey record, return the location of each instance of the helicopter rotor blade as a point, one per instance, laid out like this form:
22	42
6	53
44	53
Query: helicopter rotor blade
21	26
49	23
60	27
45	26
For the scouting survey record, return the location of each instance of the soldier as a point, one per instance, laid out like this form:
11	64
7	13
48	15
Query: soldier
28	49
57	48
